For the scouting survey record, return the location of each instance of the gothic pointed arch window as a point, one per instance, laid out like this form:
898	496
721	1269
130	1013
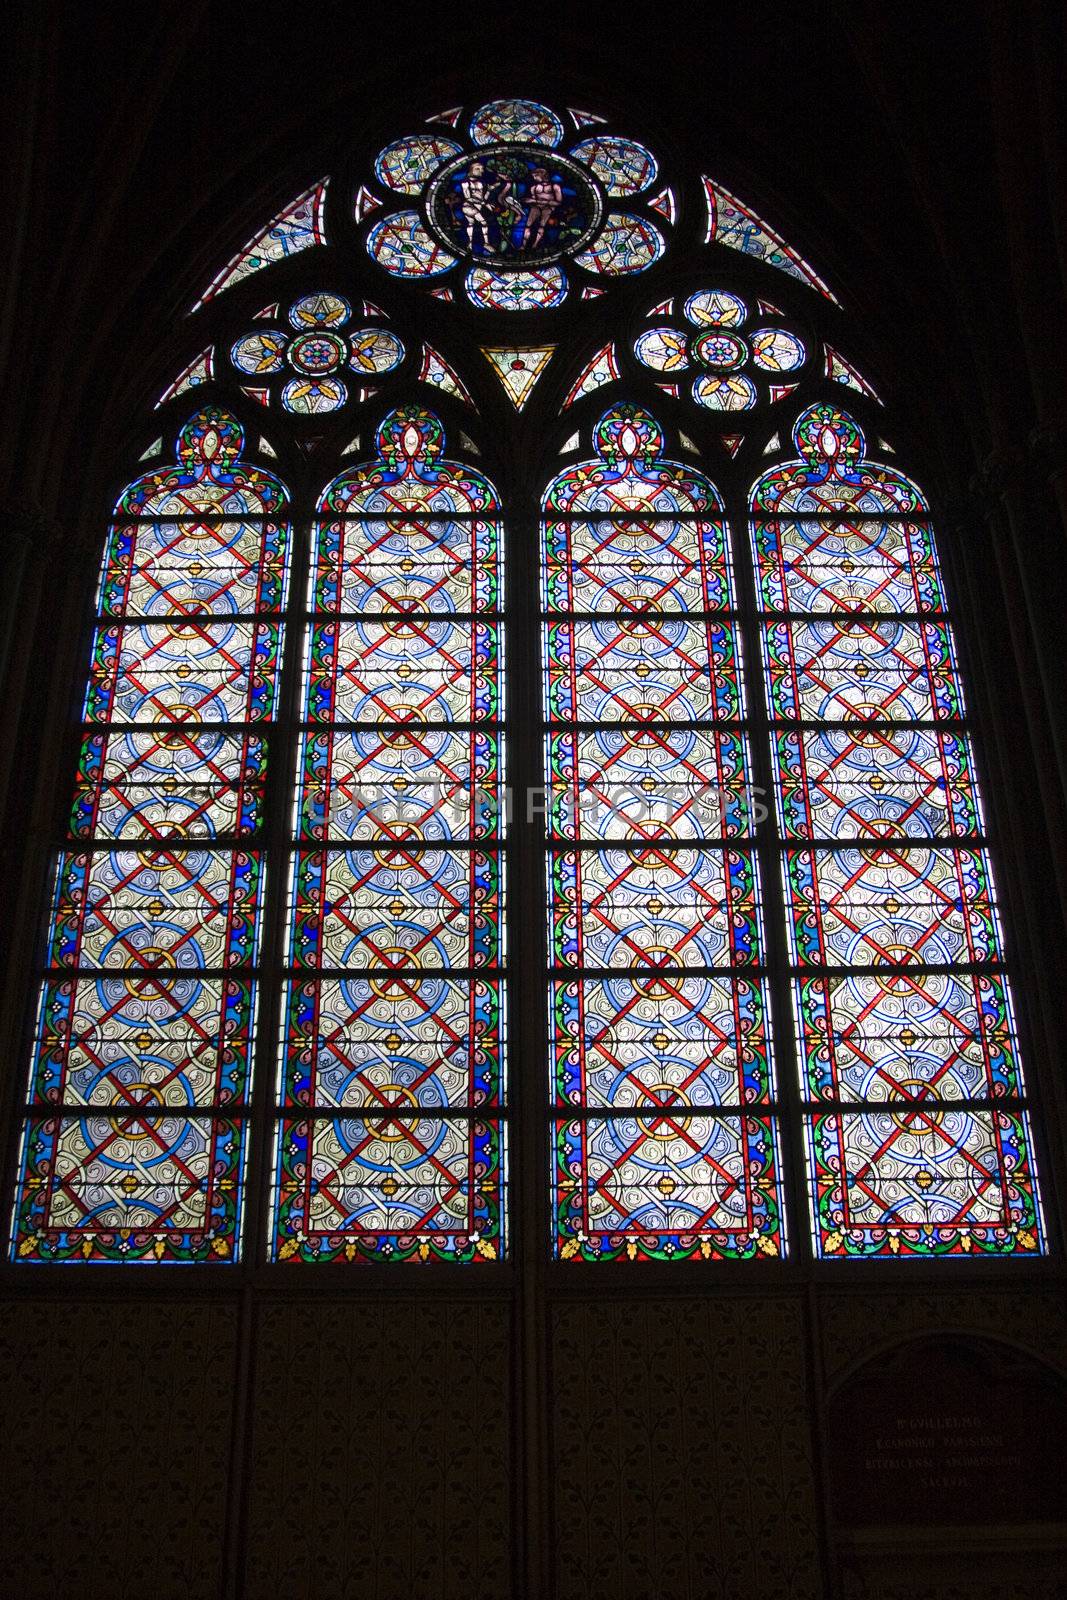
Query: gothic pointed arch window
526	798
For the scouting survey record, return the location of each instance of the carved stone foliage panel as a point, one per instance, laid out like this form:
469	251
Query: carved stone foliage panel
380	1466
682	1455
114	1448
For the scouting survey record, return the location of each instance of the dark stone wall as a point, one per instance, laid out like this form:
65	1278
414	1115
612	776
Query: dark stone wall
115	1447
373	1449
381	1451
682	1449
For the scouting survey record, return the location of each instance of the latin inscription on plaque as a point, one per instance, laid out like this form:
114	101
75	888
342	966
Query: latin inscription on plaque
948	1432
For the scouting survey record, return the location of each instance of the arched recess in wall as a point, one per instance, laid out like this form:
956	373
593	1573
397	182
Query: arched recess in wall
520	534
947	1413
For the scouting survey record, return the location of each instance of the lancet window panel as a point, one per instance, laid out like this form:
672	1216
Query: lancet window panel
135	1141
665	1139
917	1132
187	780
390	1142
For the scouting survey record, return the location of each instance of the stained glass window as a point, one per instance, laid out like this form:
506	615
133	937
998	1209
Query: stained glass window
272	1021
917	1139
515	202
391	1140
134	1146
664	1140
299	226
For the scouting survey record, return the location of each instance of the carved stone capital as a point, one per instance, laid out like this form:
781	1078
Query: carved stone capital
1000	472
24	524
1047	445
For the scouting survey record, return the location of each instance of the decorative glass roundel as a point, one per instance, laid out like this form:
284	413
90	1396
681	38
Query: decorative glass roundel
316	353
719	350
307	396
376	350
662	348
508	205
718	341
406	164
714	308
513	205
319	311
516	291
516	120
774	350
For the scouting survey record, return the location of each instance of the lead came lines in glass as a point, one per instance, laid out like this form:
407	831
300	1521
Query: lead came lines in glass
390	1144
641	688
147	1015
917	1140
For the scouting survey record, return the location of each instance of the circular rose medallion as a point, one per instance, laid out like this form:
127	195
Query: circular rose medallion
513	205
317	353
719	350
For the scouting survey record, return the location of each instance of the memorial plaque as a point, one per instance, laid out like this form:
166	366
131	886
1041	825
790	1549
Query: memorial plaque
948	1431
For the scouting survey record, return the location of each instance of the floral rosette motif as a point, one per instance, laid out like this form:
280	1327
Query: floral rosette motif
308	361
513	208
730	357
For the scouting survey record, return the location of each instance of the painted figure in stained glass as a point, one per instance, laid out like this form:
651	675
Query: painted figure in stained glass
515	205
545	197
476	192
511	203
